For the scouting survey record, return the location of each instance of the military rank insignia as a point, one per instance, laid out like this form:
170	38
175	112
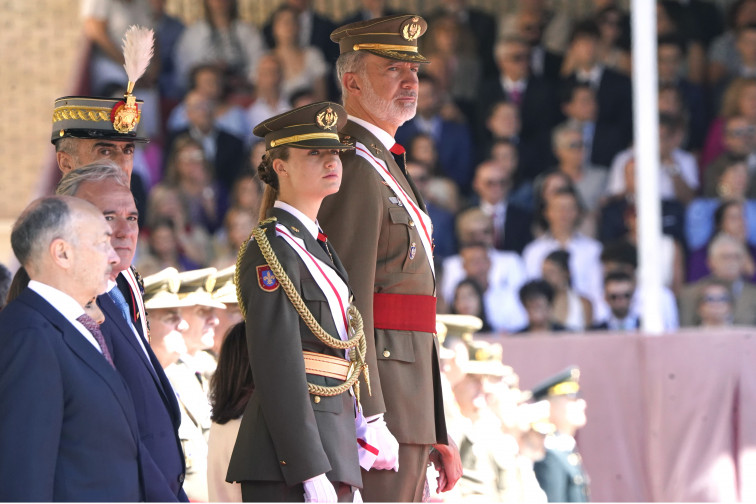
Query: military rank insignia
266	279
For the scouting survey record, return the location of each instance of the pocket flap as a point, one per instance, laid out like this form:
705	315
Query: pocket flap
394	345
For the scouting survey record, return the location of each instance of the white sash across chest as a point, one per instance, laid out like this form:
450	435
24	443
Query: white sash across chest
329	281
425	227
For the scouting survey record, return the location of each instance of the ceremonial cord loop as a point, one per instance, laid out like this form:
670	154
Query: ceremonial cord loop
356	342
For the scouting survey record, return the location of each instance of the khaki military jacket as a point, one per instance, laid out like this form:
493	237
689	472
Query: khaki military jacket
374	236
286	434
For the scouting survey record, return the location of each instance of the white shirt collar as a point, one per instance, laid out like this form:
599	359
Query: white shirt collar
311	225
384	136
65	304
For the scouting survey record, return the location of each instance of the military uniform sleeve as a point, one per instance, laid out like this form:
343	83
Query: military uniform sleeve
275	348
352	219
31	401
551	477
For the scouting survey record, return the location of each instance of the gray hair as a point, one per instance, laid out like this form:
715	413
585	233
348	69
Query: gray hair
722	240
43	221
93	172
351	62
563	129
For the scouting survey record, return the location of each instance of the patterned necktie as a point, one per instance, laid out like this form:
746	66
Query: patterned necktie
94	328
515	96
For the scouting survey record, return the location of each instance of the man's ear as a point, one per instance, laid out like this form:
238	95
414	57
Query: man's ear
61	253
351	82
65	161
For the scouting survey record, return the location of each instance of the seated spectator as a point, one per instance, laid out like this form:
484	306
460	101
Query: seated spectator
613	92
729	218
189	171
454	63
740	146
303	66
237	226
715	305
739	99
443	219
678	171
580	108
168	30
527	23
613	49
247	193
623	257
670	55
468	300
163	250
670	21
422	148
369	9
723	54
165	203
570	309
725	260
506	269
269	99
222	38
534	196
500	299
612	222
209	80
492	183
230	389
537	297
619	289
502	124
452	140
225	151
562	216
588	180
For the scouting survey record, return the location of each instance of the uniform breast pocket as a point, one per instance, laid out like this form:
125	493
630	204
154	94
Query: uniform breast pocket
330	404
314	297
394	345
404	252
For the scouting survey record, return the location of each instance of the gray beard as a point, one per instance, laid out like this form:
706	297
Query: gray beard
387	110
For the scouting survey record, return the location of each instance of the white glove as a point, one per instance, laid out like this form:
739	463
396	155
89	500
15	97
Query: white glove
380	437
357	496
319	489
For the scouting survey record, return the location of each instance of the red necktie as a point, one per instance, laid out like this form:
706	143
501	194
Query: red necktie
94	328
398	151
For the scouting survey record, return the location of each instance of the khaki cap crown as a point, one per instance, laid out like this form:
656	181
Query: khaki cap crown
392	37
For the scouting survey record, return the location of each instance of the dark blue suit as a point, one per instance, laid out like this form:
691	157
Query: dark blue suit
68	431
155	403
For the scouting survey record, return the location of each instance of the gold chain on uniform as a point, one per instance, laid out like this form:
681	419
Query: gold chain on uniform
356	343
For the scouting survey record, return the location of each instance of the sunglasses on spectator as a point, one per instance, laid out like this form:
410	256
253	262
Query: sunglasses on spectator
741	132
518	57
578	144
495	182
713	298
618	296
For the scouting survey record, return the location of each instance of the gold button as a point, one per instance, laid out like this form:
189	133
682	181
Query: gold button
411	223
283	462
316	399
386	353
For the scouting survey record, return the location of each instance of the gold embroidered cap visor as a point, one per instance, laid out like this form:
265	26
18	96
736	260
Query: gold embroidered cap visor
313	126
392	37
94	117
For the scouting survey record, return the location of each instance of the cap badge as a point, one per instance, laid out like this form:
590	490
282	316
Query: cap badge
327	118
266	279
125	115
411	31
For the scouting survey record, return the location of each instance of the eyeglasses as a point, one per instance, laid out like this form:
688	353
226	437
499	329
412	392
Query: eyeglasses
518	57
618	296
495	182
579	144
741	132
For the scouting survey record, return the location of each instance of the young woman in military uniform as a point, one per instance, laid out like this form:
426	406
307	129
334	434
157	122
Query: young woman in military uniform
298	438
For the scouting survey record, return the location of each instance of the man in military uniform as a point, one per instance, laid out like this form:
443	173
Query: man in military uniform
561	473
378	224
166	331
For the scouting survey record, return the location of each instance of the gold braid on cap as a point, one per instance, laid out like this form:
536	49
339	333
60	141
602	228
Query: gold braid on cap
356	343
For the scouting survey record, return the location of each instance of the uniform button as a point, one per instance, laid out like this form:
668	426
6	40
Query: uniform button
386	353
282	462
316	399
411	223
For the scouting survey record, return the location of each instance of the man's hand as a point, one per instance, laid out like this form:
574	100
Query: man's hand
446	460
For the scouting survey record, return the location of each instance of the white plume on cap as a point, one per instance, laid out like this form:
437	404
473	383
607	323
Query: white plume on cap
137	51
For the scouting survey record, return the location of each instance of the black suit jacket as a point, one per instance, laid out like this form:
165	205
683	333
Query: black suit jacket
155	403
614	124
230	155
517	229
68	430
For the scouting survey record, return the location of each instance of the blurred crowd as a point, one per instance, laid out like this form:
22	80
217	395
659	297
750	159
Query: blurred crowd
522	146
